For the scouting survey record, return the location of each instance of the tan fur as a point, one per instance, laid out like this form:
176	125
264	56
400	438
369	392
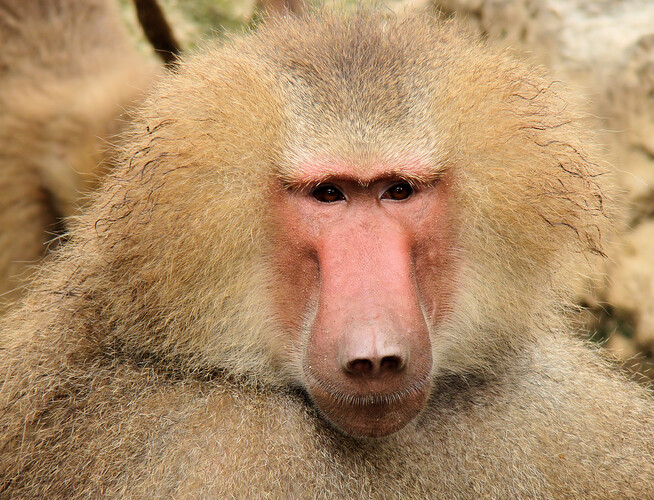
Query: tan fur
67	72
149	361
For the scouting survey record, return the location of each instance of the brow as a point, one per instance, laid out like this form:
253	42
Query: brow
415	177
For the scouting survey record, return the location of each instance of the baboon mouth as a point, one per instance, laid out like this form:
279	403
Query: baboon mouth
375	414
345	398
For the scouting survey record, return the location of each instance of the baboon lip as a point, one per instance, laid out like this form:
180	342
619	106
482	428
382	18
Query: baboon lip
346	398
374	415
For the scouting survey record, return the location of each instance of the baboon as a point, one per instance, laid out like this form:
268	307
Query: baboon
333	261
68	72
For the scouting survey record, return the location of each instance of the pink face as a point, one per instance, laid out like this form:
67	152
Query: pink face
365	270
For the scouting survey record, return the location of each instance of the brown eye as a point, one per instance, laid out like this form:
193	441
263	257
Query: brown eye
327	194
400	191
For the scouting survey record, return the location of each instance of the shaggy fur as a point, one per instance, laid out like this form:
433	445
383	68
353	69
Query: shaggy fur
67	72
148	361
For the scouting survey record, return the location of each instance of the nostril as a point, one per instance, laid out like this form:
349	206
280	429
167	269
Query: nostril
391	364
375	366
360	366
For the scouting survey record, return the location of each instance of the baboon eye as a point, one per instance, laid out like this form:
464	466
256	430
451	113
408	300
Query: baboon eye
399	191
327	193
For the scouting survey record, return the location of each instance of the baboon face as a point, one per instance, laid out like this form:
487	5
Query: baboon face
366	256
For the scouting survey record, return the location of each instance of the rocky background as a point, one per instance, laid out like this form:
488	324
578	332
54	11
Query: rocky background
604	51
